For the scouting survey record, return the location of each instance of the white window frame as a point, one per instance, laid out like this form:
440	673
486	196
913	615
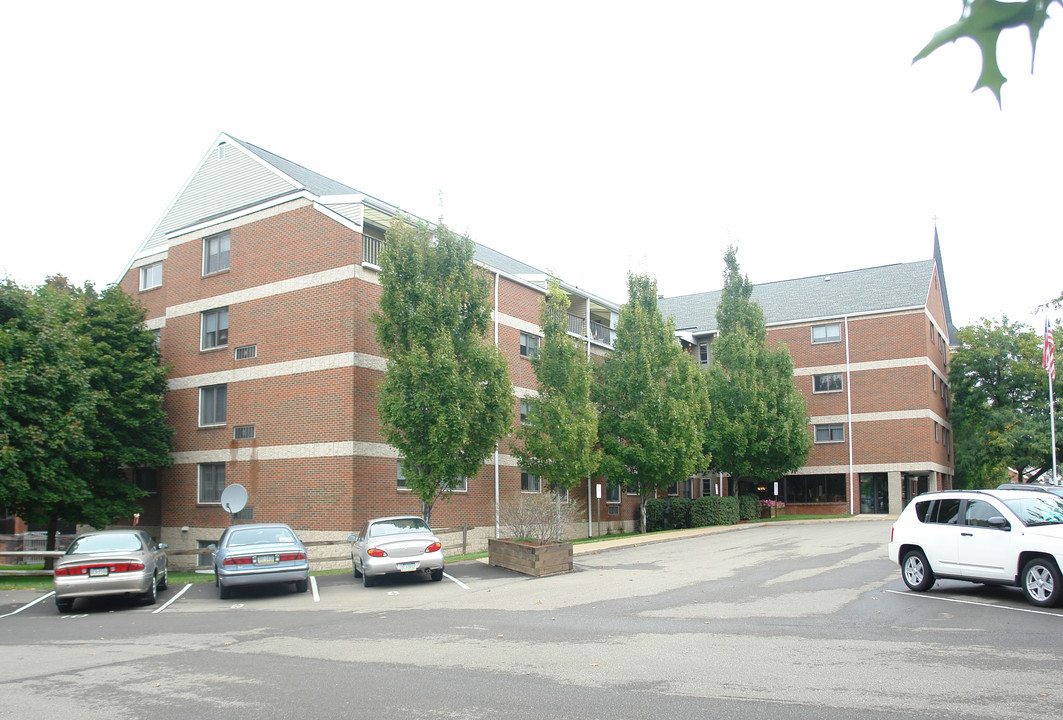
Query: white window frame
400	477
209	394
221	335
841	383
525	410
148	275
214	467
526	477
612	493
526	349
831	430
828	337
216	246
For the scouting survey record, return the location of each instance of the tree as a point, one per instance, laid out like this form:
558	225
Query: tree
81	394
983	21
759	423
446	398
560	433
1000	416
651	400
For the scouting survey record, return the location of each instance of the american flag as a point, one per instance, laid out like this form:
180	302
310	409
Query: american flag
1050	352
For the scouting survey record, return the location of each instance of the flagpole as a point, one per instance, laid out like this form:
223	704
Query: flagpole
1049	363
1052	422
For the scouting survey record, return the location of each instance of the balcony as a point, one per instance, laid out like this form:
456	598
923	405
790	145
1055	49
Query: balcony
601	334
371	250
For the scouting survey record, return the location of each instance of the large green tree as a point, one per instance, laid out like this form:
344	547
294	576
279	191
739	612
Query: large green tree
446	399
560	432
651	399
1000	416
81	394
759	423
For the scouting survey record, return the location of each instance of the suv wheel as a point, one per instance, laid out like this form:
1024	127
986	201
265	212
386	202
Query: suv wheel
1041	582
916	571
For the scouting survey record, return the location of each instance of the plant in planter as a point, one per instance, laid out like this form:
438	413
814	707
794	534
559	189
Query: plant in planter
533	523
771	508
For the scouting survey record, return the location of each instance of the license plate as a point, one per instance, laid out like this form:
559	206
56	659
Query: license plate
406	567
266	559
98	572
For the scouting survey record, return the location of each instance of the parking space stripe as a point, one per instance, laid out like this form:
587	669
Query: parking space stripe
971	602
172	600
29	605
313	587
459	582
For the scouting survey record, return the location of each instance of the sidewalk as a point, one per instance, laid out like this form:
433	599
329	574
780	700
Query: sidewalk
594	547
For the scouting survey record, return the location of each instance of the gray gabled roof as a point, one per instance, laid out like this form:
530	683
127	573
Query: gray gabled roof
310	180
871	290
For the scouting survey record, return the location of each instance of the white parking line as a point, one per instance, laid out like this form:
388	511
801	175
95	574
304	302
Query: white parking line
313	586
172	600
459	582
971	602
29	605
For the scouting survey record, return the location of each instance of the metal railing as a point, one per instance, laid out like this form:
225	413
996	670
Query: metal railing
599	333
371	250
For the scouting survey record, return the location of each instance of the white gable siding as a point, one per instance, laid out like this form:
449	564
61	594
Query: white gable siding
351	211
218	185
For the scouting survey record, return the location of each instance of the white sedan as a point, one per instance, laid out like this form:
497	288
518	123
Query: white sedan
393	545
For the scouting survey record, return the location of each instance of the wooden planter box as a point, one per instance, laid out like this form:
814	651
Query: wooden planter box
535	560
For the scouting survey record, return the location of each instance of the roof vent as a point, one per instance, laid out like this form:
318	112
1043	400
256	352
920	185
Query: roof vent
826	279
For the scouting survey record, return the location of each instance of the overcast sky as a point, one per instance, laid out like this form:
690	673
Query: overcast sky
587	139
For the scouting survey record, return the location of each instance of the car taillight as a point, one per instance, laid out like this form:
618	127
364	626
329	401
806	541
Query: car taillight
288	557
375	552
111	568
237	560
433	547
891	533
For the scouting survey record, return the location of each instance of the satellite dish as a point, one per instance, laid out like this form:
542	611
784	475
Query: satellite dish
234	498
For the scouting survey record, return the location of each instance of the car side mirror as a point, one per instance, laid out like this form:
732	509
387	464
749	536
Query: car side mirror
212	547
999	523
352	538
163	546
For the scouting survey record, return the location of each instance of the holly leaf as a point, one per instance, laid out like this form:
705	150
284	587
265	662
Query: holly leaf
983	21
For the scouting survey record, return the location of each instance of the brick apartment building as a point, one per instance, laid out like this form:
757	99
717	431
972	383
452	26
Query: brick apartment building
870	350
259	281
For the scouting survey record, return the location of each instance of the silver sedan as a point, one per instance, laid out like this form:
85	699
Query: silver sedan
110	562
260	554
400	544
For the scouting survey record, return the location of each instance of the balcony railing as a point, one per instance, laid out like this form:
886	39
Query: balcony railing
371	250
600	333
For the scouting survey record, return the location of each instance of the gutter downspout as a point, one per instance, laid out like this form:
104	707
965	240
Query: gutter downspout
498	528
849	419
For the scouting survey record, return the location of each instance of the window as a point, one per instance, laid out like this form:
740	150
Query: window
212	405
459	484
529	345
673	489
835	432
979	513
933	380
829	382
826	333
562	493
147	479
158	337
211	482
205	559
216	253
401	484
612	493
151	276
215	325
706	487
530	483
704	353
525	410
947	512
936	433
244	432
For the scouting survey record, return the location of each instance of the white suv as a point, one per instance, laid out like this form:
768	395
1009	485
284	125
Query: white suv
997	537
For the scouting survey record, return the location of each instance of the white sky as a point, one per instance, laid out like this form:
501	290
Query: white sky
588	139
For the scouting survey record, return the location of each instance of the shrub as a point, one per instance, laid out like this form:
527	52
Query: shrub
730	514
748	507
679	513
533	517
712	510
655	514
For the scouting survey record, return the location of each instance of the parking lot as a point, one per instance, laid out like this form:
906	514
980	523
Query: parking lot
806	621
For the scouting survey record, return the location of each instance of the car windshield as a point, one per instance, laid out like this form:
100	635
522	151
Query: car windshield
398	527
260	536
1037	508
105	543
